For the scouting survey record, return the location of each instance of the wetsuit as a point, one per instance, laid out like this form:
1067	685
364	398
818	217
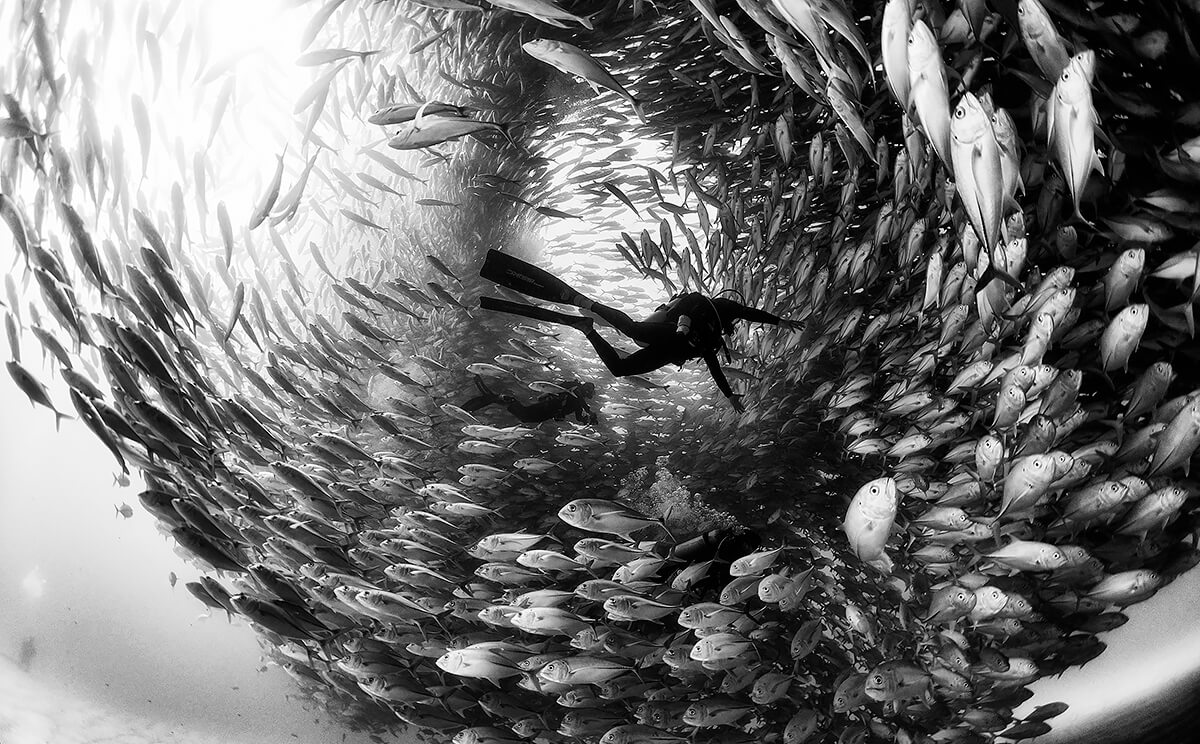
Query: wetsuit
687	327
548	405
552	406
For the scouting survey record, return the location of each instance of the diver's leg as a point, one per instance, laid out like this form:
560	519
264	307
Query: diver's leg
639	362
644	332
485	398
479	401
533	413
483	388
614	317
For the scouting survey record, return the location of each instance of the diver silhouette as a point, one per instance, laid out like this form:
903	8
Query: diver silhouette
688	326
556	405
27	654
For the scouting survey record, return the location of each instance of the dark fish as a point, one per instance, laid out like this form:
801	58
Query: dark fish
615	191
355	217
269	196
141	122
437	264
239	297
318	21
34	390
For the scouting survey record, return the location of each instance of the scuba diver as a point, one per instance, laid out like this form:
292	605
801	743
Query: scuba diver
686	327
572	400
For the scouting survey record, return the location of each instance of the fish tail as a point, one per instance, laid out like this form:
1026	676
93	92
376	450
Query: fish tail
638	109
662	522
1011	205
977	556
531	677
58	417
1079	216
991	272
507	128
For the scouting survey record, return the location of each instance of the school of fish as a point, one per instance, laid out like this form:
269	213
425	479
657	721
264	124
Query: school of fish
969	450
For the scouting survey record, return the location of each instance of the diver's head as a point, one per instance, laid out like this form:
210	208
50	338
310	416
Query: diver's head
586	390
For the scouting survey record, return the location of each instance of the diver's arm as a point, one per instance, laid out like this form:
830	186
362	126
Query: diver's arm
733	309
714	368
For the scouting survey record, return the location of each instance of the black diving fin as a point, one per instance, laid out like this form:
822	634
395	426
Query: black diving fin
509	271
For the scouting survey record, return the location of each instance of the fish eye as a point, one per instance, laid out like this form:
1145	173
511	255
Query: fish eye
960	112
877	679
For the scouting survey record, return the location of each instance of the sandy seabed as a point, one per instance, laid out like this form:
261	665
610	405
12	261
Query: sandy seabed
32	713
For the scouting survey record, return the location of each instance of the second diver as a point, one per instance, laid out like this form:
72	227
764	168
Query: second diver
572	399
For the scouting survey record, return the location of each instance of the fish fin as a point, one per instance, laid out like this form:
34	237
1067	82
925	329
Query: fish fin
1049	109
1010	202
1079	216
637	109
507	129
991	272
1035	83
663	523
420	117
